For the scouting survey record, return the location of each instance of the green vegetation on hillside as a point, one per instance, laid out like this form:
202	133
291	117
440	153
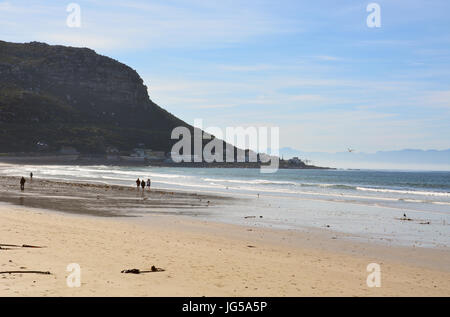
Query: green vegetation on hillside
64	96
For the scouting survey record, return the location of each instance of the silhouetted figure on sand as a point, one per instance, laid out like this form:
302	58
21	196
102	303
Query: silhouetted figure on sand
149	183
31	176
143	185
138	183
22	183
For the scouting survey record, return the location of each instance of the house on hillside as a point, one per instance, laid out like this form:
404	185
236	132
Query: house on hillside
41	146
296	161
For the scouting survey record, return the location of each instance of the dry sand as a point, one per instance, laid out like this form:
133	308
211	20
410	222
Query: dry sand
201	259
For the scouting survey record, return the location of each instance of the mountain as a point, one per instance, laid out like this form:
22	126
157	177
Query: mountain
402	159
55	96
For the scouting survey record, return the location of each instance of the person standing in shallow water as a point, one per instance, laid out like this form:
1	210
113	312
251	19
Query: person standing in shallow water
149	182
138	183
22	183
31	176
143	185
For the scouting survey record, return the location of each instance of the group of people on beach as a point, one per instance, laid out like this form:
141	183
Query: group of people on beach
139	183
142	183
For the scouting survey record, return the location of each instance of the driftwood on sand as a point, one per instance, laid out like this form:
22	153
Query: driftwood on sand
20	246
422	222
20	272
137	271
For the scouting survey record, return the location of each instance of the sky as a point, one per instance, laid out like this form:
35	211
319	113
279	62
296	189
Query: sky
312	68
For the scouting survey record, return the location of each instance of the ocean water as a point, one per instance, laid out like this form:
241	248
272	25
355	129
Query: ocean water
366	204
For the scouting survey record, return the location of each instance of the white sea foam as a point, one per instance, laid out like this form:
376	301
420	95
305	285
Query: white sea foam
408	192
254	181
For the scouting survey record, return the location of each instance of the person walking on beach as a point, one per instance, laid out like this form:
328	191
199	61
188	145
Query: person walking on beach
149	182
22	183
138	183
31	176
143	185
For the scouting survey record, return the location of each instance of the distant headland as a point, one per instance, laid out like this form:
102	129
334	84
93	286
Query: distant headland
71	105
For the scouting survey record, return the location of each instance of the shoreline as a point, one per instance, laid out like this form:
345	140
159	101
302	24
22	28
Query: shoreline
351	220
102	199
86	161
129	204
201	258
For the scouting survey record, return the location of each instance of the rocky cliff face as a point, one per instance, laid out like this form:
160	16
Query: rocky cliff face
65	96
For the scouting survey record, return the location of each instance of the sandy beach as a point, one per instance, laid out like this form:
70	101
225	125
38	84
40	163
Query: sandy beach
199	258
226	150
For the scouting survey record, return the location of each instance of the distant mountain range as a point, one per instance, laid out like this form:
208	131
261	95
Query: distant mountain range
402	159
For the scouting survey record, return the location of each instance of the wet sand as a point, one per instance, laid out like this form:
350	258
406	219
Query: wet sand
199	258
104	200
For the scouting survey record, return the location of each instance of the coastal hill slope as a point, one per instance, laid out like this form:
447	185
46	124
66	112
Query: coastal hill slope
63	96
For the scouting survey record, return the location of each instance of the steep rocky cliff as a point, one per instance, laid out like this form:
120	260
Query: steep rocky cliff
65	96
